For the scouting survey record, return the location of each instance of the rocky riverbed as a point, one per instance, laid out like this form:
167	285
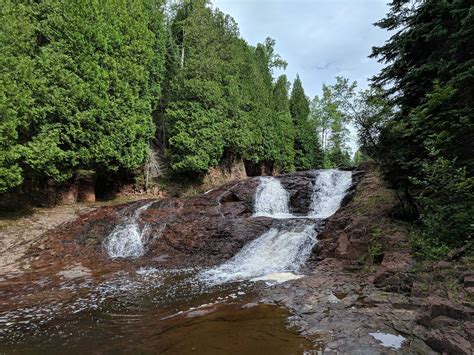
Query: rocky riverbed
359	292
358	300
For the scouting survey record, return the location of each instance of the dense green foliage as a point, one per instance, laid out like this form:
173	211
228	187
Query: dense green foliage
89	87
78	86
284	124
425	142
223	100
307	147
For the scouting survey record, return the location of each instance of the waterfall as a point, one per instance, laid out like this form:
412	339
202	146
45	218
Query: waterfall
279	252
330	188
271	199
276	251
127	240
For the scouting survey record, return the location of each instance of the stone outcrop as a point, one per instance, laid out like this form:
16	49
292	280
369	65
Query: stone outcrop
361	280
201	230
448	327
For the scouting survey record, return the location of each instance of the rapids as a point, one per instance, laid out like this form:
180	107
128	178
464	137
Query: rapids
127	240
271	199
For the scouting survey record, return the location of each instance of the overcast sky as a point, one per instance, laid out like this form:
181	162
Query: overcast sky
319	39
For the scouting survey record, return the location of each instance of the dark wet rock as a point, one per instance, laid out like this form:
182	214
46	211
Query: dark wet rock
449	342
357	175
447	327
468	281
394	273
300	187
419	289
193	231
339	309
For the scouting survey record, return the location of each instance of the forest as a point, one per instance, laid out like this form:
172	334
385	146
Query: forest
93	90
88	89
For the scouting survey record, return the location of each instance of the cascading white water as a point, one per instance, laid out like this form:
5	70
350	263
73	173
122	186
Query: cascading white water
329	190
276	254
271	199
127	239
276	251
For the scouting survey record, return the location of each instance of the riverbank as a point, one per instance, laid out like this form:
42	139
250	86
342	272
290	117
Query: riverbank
23	226
23	229
366	293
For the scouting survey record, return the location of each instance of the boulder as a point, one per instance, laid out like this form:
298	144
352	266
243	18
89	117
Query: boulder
449	342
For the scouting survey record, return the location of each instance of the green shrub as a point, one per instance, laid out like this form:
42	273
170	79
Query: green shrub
446	200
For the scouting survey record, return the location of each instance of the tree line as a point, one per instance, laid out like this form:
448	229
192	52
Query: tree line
86	86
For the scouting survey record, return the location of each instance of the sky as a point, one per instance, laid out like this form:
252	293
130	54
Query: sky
320	39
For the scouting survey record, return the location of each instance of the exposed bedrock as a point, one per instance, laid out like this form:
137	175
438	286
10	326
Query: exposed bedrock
200	230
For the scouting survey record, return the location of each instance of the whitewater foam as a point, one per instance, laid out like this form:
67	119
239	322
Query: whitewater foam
330	188
271	199
127	240
276	251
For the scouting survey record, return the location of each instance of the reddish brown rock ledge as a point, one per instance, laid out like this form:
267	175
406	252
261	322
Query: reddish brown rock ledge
362	279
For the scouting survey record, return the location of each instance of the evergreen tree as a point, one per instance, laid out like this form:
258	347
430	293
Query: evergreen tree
229	88
265	113
284	124
17	85
99	69
430	62
85	88
430	84
196	112
307	147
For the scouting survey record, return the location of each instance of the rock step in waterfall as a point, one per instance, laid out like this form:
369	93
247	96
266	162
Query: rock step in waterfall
280	252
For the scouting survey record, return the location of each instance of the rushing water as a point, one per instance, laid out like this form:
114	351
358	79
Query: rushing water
280	252
180	311
275	251
271	199
329	190
127	240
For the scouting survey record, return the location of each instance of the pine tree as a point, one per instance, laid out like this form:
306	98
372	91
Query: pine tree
307	148
430	62
426	145
196	112
17	85
284	124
